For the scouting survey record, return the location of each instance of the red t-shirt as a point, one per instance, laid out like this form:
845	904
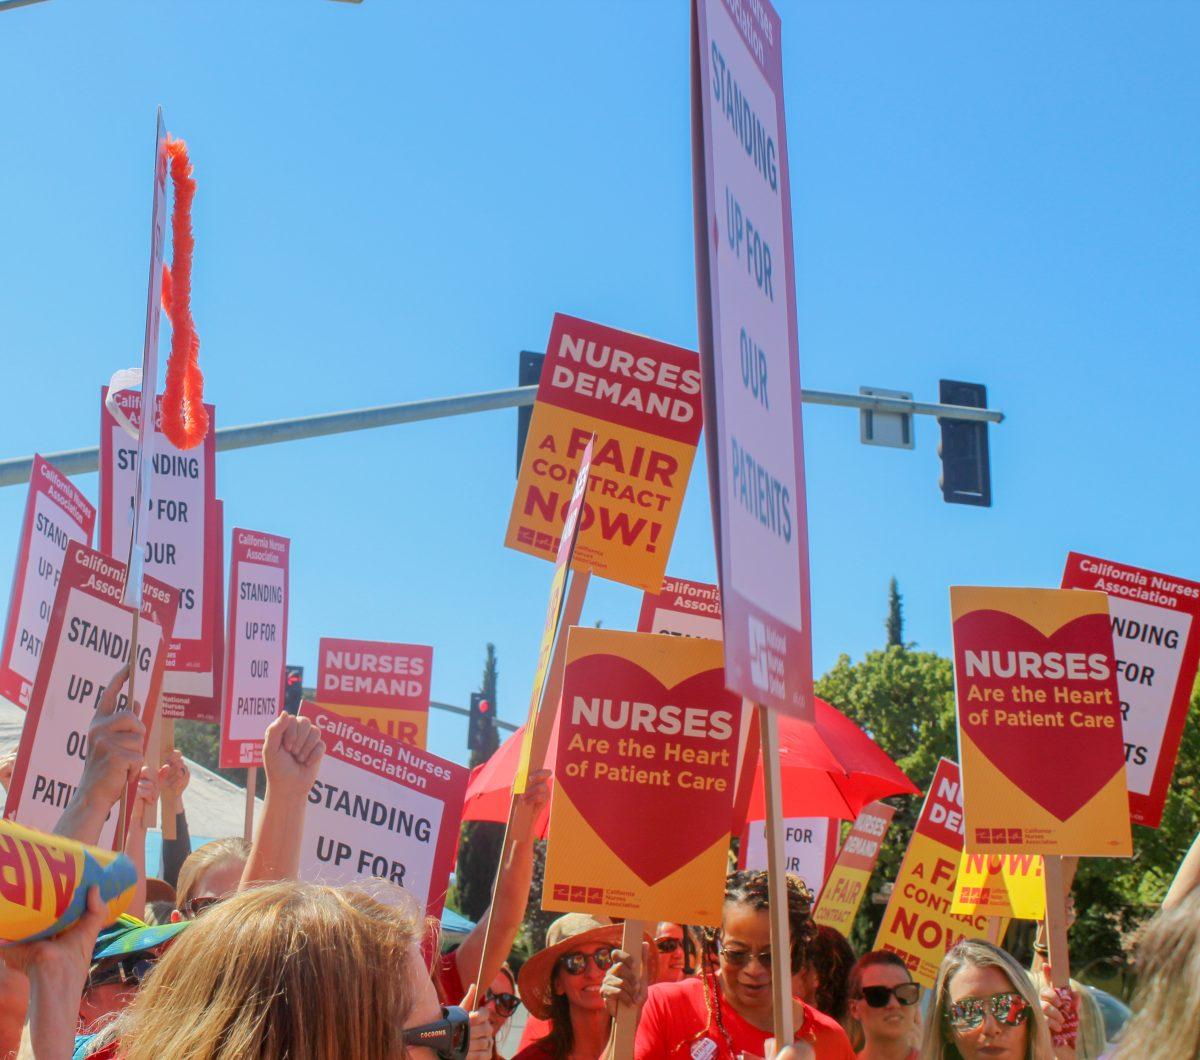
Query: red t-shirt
676	1025
534	1029
450	978
536	1051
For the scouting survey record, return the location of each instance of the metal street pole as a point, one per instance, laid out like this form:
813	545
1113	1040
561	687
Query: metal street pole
16	470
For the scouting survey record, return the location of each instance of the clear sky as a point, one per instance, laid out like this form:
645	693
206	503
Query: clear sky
395	198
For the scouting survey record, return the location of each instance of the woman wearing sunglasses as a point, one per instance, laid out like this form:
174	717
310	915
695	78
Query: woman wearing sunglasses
561	983
726	1013
500	1002
984	1008
883	1007
669	941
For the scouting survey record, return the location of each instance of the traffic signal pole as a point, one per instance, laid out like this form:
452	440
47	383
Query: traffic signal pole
16	470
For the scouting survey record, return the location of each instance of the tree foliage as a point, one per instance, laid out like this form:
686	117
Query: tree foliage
895	619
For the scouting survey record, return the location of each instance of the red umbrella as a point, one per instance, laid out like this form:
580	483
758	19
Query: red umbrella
830	768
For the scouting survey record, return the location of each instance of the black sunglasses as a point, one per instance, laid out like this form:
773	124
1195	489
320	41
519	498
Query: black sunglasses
879	996
667	944
449	1037
739	958
129	971
576	963
193	907
506	1004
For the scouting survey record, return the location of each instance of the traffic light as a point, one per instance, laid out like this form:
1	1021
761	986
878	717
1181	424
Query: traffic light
292	688
966	471
480	724
529	373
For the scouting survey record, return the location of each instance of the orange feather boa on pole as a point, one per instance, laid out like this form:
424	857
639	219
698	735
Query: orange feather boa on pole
184	418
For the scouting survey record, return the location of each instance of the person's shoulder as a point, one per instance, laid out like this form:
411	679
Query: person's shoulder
689	992
538	1050
826	1031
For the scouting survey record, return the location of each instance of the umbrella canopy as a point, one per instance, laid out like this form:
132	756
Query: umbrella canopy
830	768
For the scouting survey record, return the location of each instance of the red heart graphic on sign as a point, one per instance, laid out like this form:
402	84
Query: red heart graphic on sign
655	828
1059	765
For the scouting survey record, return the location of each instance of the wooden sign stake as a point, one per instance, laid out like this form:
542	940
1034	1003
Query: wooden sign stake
170	805
781	938
543	726
620	1045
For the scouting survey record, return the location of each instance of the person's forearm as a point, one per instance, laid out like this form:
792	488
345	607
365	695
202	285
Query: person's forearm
135	850
1186	878
53	1013
83	818
275	854
176	851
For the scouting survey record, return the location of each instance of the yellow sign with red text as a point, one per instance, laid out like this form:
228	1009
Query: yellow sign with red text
648	732
641	399
1039	722
1006	885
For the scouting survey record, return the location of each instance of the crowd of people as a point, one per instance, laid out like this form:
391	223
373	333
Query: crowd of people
232	957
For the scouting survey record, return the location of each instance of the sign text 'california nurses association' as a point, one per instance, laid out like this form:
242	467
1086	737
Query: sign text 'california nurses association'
749	352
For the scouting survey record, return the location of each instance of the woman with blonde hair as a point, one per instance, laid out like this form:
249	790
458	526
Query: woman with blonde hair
209	874
984	1008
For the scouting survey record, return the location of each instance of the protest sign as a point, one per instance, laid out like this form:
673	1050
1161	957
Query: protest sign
1003	885
647	732
381	685
749	352
381	808
554	610
256	648
46	879
918	925
809	846
1156	640
847	883
1039	722
179	518
195	695
87	642
683	609
56	513
641	400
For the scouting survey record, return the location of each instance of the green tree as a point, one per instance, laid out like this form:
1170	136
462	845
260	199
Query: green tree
480	842
904	700
895	618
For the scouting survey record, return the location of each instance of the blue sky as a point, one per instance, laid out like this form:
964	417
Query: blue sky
394	199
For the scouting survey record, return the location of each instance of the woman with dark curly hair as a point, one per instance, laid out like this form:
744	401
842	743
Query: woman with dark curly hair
824	979
725	1013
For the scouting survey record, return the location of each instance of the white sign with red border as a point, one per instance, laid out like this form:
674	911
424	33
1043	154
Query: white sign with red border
682	609
86	644
179	521
381	808
256	644
809	848
56	514
1156	641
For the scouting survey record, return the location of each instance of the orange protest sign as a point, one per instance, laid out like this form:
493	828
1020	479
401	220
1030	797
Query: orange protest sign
1004	885
1039	722
384	686
648	732
918	924
641	399
847	883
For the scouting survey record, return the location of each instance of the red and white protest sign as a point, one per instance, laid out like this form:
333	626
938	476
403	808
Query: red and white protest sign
384	686
179	519
195	695
809	848
1156	641
86	644
256	644
56	514
683	609
749	352
846	884
381	808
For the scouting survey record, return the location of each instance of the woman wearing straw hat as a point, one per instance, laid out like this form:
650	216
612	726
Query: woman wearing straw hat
561	983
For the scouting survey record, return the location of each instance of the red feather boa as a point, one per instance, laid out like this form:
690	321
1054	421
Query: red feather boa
184	417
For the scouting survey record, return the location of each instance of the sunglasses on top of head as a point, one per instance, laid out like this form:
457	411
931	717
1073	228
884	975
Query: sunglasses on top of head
879	996
449	1037
128	971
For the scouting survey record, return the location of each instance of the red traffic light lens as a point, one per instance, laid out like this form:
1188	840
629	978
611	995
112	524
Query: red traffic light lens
484	706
